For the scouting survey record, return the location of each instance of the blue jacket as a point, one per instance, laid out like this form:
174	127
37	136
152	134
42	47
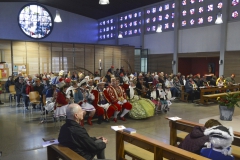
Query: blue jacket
188	86
78	96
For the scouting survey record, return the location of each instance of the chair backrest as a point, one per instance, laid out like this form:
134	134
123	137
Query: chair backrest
34	96
12	88
44	99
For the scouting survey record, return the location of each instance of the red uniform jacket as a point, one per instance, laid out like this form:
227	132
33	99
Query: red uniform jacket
61	99
96	95
116	93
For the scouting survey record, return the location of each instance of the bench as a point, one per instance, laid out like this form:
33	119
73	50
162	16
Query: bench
187	126
214	96
140	147
54	152
184	95
212	90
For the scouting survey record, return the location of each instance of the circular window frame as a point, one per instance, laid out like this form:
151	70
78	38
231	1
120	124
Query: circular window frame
52	21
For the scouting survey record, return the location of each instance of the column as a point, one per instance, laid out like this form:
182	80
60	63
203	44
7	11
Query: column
223	33
176	28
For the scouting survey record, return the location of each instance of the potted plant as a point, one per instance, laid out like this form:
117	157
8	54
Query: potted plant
227	104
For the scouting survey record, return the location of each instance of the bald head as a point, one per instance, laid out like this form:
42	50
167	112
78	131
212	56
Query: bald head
74	112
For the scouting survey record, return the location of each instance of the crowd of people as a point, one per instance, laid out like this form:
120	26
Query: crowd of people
111	97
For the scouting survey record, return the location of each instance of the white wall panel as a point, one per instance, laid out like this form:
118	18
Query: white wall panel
132	41
201	39
159	43
233	36
109	42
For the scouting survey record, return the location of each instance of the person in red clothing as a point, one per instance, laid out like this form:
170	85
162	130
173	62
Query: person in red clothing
26	89
104	109
119	99
61	101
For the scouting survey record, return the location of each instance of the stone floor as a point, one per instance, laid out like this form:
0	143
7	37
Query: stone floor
21	133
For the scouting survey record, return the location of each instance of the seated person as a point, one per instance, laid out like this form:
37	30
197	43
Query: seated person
230	80
162	96
18	88
8	83
75	137
170	86
177	85
220	82
141	107
51	96
213	81
191	89
203	82
196	140
26	89
219	147
83	97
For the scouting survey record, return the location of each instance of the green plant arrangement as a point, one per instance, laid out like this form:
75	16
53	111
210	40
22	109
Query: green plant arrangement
229	100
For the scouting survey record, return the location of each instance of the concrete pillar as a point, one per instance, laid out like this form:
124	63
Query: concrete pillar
176	35
223	36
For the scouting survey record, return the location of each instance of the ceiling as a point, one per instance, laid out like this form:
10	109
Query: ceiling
91	8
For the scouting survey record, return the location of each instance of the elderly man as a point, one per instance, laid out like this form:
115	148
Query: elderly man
75	137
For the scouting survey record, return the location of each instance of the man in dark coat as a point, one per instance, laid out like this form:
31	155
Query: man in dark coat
74	136
8	83
18	88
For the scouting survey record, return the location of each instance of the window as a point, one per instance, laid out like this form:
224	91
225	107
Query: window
235	2
35	21
130	23
234	14
106	28
162	14
234	10
199	12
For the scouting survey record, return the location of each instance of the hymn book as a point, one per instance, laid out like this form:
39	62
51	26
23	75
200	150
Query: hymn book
129	130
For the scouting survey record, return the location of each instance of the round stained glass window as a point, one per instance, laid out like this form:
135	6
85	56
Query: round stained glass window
35	21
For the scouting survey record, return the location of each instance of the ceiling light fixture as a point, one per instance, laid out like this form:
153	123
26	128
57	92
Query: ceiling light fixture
103	2
159	29
120	35
57	18
219	19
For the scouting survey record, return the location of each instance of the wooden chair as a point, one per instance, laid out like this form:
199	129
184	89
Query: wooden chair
34	98
12	93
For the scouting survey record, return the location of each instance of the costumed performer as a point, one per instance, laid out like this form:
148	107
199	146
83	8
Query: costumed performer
104	109
84	98
141	107
119	99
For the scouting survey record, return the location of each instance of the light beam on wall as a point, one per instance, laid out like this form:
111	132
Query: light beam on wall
57	18
159	29
219	19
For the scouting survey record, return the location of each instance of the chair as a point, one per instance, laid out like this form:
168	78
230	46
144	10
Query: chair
34	98
12	93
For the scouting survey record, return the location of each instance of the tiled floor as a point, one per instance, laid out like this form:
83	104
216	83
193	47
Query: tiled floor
21	133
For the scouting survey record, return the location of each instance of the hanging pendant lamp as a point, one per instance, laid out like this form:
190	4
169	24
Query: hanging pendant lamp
103	2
